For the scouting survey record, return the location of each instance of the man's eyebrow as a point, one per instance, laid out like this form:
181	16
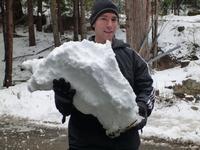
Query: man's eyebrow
104	15
114	17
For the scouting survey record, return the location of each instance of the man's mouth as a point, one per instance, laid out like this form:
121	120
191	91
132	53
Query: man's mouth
108	32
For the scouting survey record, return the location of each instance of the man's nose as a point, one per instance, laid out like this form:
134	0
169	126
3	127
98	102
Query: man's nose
109	23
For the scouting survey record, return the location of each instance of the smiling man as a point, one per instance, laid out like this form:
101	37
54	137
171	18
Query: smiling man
85	131
104	20
105	27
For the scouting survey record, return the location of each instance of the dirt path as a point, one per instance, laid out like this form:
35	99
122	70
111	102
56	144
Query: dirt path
19	134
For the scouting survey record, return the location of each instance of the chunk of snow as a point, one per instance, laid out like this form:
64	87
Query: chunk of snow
92	70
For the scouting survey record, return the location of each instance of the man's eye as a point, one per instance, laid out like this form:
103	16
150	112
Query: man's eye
114	19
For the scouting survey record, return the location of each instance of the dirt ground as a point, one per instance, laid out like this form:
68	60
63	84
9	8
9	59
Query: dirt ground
19	134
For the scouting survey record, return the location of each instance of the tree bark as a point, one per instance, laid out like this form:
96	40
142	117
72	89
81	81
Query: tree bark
4	24
9	43
31	24
76	19
154	47
39	15
54	19
60	23
17	13
137	25
83	26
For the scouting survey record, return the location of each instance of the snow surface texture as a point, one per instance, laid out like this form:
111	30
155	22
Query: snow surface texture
93	71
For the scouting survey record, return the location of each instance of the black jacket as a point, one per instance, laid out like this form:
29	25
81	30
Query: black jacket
83	128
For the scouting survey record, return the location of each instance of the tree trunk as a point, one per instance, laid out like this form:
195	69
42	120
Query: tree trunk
9	43
76	19
83	26
54	19
17	9
175	7
4	24
60	23
154	47
137	25
39	15
195	3
17	12
31	24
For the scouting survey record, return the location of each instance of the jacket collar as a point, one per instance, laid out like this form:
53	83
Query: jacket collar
116	43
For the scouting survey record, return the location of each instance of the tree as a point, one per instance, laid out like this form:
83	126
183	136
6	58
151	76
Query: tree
17	12
154	19
3	22
83	27
60	23
137	25
8	35
176	6
54	19
39	15
76	19
31	30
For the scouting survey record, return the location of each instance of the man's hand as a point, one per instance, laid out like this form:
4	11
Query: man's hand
63	96
142	112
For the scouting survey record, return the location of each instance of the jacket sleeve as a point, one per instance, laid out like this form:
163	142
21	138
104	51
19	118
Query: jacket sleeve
143	83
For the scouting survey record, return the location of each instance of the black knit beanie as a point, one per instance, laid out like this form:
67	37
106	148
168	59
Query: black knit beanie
102	6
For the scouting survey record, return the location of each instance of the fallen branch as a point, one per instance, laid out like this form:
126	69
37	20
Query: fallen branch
163	54
41	51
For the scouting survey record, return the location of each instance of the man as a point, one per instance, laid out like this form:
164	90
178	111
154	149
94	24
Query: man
85	131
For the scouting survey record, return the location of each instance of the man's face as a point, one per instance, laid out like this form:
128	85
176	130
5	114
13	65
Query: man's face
105	27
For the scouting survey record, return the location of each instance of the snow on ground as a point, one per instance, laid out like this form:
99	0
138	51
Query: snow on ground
170	77
18	101
170	36
177	121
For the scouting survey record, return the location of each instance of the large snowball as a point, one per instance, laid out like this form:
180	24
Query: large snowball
93	71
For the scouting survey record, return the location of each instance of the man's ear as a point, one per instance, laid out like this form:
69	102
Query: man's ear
93	26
